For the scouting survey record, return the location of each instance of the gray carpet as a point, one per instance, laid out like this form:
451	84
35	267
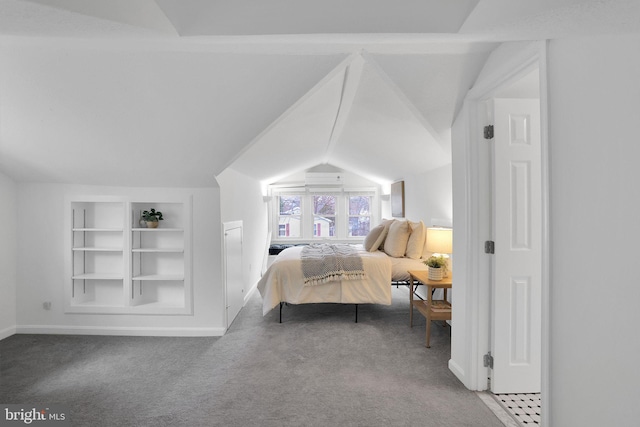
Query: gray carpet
317	368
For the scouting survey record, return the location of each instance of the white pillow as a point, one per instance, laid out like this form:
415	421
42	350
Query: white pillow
395	245
415	245
375	237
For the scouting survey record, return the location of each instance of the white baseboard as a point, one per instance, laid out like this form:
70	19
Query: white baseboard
249	294
120	331
7	332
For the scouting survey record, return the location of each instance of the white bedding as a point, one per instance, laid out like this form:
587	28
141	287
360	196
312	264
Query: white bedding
400	268
284	282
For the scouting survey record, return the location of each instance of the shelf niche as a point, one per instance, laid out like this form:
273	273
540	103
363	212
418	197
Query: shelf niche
118	267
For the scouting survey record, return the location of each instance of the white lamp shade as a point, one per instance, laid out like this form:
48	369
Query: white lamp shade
440	240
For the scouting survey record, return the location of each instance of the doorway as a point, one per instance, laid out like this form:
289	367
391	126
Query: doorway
516	262
516	230
473	336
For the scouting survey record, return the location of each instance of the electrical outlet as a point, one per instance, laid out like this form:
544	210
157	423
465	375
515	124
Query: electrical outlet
46	305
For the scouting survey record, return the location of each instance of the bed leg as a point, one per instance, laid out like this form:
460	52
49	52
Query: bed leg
281	311
356	313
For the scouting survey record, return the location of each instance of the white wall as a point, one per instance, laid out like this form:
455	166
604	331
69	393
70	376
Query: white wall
41	265
594	106
463	310
241	199
428	197
8	256
349	179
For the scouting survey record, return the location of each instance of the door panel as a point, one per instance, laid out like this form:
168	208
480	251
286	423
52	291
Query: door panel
516	311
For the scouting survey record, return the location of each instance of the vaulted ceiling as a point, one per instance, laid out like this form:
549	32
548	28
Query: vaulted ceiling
173	92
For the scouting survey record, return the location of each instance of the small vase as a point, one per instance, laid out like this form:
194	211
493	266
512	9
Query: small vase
436	273
152	224
143	223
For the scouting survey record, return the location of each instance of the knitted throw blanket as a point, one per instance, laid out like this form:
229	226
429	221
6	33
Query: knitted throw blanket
323	263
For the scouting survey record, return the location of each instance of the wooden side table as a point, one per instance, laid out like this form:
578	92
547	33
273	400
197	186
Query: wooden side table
431	309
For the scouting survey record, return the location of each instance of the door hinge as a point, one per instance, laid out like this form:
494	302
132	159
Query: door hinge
488	360
488	132
489	247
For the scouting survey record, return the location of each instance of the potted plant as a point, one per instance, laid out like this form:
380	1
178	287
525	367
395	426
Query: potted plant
151	218
437	267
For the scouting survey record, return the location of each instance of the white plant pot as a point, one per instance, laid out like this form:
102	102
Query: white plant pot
436	273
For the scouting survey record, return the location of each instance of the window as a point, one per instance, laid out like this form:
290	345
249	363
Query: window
289	216
313	213
359	216
324	216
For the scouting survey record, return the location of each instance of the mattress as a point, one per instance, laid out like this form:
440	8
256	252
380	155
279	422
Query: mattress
400	268
284	282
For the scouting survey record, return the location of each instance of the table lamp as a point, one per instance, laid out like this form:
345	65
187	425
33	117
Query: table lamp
440	241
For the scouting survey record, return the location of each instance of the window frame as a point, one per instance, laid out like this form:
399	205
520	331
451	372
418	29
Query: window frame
336	215
342	216
277	215
348	197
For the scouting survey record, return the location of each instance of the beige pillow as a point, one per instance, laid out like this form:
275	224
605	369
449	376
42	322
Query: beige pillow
415	245
375	238
395	245
387	223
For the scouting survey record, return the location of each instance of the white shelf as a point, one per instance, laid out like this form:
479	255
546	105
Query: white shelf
119	230
93	304
155	230
158	250
158	304
98	276
92	307
159	307
89	249
158	277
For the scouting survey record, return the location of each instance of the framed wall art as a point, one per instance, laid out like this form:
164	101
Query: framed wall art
397	199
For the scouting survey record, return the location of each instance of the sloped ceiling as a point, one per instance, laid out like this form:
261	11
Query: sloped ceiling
359	119
173	92
152	118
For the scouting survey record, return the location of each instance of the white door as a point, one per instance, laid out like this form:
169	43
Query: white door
233	269
517	213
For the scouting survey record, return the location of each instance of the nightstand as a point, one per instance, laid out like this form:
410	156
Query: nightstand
431	309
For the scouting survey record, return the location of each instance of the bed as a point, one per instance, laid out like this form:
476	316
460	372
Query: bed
387	254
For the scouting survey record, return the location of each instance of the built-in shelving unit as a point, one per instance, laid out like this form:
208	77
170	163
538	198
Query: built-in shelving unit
117	266
158	258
